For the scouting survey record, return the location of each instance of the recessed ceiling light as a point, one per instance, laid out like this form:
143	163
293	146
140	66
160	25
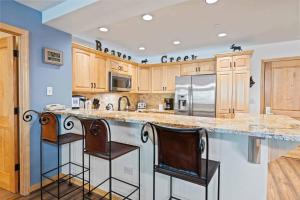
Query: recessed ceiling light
147	17
222	34
176	42
103	29
141	48
211	1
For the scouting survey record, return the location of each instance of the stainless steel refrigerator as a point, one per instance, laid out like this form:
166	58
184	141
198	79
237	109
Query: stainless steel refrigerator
196	95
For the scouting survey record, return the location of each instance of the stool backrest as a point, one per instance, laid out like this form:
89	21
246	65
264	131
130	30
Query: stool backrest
179	148
96	136
50	127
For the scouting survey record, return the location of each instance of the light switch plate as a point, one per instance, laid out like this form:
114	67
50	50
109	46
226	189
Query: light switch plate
49	91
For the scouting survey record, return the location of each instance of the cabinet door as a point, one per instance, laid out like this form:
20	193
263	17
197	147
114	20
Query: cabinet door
157	79
207	67
99	74
188	69
144	79
241	62
240	93
82	62
170	73
224	94
224	63
134	78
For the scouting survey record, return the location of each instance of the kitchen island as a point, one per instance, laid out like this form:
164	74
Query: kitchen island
244	166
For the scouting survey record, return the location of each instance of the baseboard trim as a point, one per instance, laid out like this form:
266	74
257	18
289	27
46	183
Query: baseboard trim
46	182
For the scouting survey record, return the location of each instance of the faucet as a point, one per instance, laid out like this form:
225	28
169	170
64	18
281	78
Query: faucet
119	102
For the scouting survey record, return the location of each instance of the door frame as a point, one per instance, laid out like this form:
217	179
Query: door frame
24	131
262	79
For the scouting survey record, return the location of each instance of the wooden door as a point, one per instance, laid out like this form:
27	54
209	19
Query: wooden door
82	64
99	74
284	88
188	69
8	121
170	73
144	79
157	79
224	63
241	62
224	94
240	92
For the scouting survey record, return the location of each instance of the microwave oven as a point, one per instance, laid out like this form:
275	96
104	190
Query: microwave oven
119	82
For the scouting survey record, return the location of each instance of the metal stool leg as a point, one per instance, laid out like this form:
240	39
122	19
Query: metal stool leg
70	164
139	173
41	167
219	182
206	192
83	193
58	184
89	174
171	188
110	177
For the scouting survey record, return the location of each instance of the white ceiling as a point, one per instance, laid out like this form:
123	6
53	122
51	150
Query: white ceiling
193	22
40	5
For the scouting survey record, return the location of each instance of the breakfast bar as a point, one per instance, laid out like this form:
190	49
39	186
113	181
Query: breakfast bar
241	144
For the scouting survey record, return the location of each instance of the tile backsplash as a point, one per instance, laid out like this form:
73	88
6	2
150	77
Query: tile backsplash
152	100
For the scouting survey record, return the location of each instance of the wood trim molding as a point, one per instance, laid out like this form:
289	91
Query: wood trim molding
24	131
237	53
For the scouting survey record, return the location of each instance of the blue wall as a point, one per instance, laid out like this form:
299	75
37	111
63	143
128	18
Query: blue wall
41	75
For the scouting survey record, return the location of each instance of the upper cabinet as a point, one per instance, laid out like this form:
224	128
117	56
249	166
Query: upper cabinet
163	78
144	79
133	70
233	83
205	66
119	67
82	71
89	72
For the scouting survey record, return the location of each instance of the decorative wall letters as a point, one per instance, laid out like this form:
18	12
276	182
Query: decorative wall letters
112	52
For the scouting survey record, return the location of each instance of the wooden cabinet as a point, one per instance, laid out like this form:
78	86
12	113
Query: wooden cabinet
224	94
157	79
144	79
233	83
82	67
133	70
119	67
163	78
203	67
170	73
99	74
89	72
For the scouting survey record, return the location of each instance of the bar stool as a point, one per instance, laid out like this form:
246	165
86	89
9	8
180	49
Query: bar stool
98	143
50	134
180	156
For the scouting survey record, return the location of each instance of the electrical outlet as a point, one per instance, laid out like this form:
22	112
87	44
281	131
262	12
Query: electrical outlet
128	171
49	91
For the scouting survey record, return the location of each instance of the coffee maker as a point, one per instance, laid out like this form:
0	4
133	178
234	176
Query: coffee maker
169	103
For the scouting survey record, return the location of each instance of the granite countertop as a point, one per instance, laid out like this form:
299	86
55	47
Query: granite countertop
264	126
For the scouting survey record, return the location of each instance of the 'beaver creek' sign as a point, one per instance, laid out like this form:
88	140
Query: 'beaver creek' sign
112	52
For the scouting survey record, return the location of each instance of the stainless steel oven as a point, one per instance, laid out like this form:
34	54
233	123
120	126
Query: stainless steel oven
119	82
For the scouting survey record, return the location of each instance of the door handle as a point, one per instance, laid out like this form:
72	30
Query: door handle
92	85
229	110
95	85
230	65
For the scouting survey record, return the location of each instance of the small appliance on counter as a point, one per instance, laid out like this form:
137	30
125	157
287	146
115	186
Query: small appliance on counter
110	107
141	105
78	101
169	103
